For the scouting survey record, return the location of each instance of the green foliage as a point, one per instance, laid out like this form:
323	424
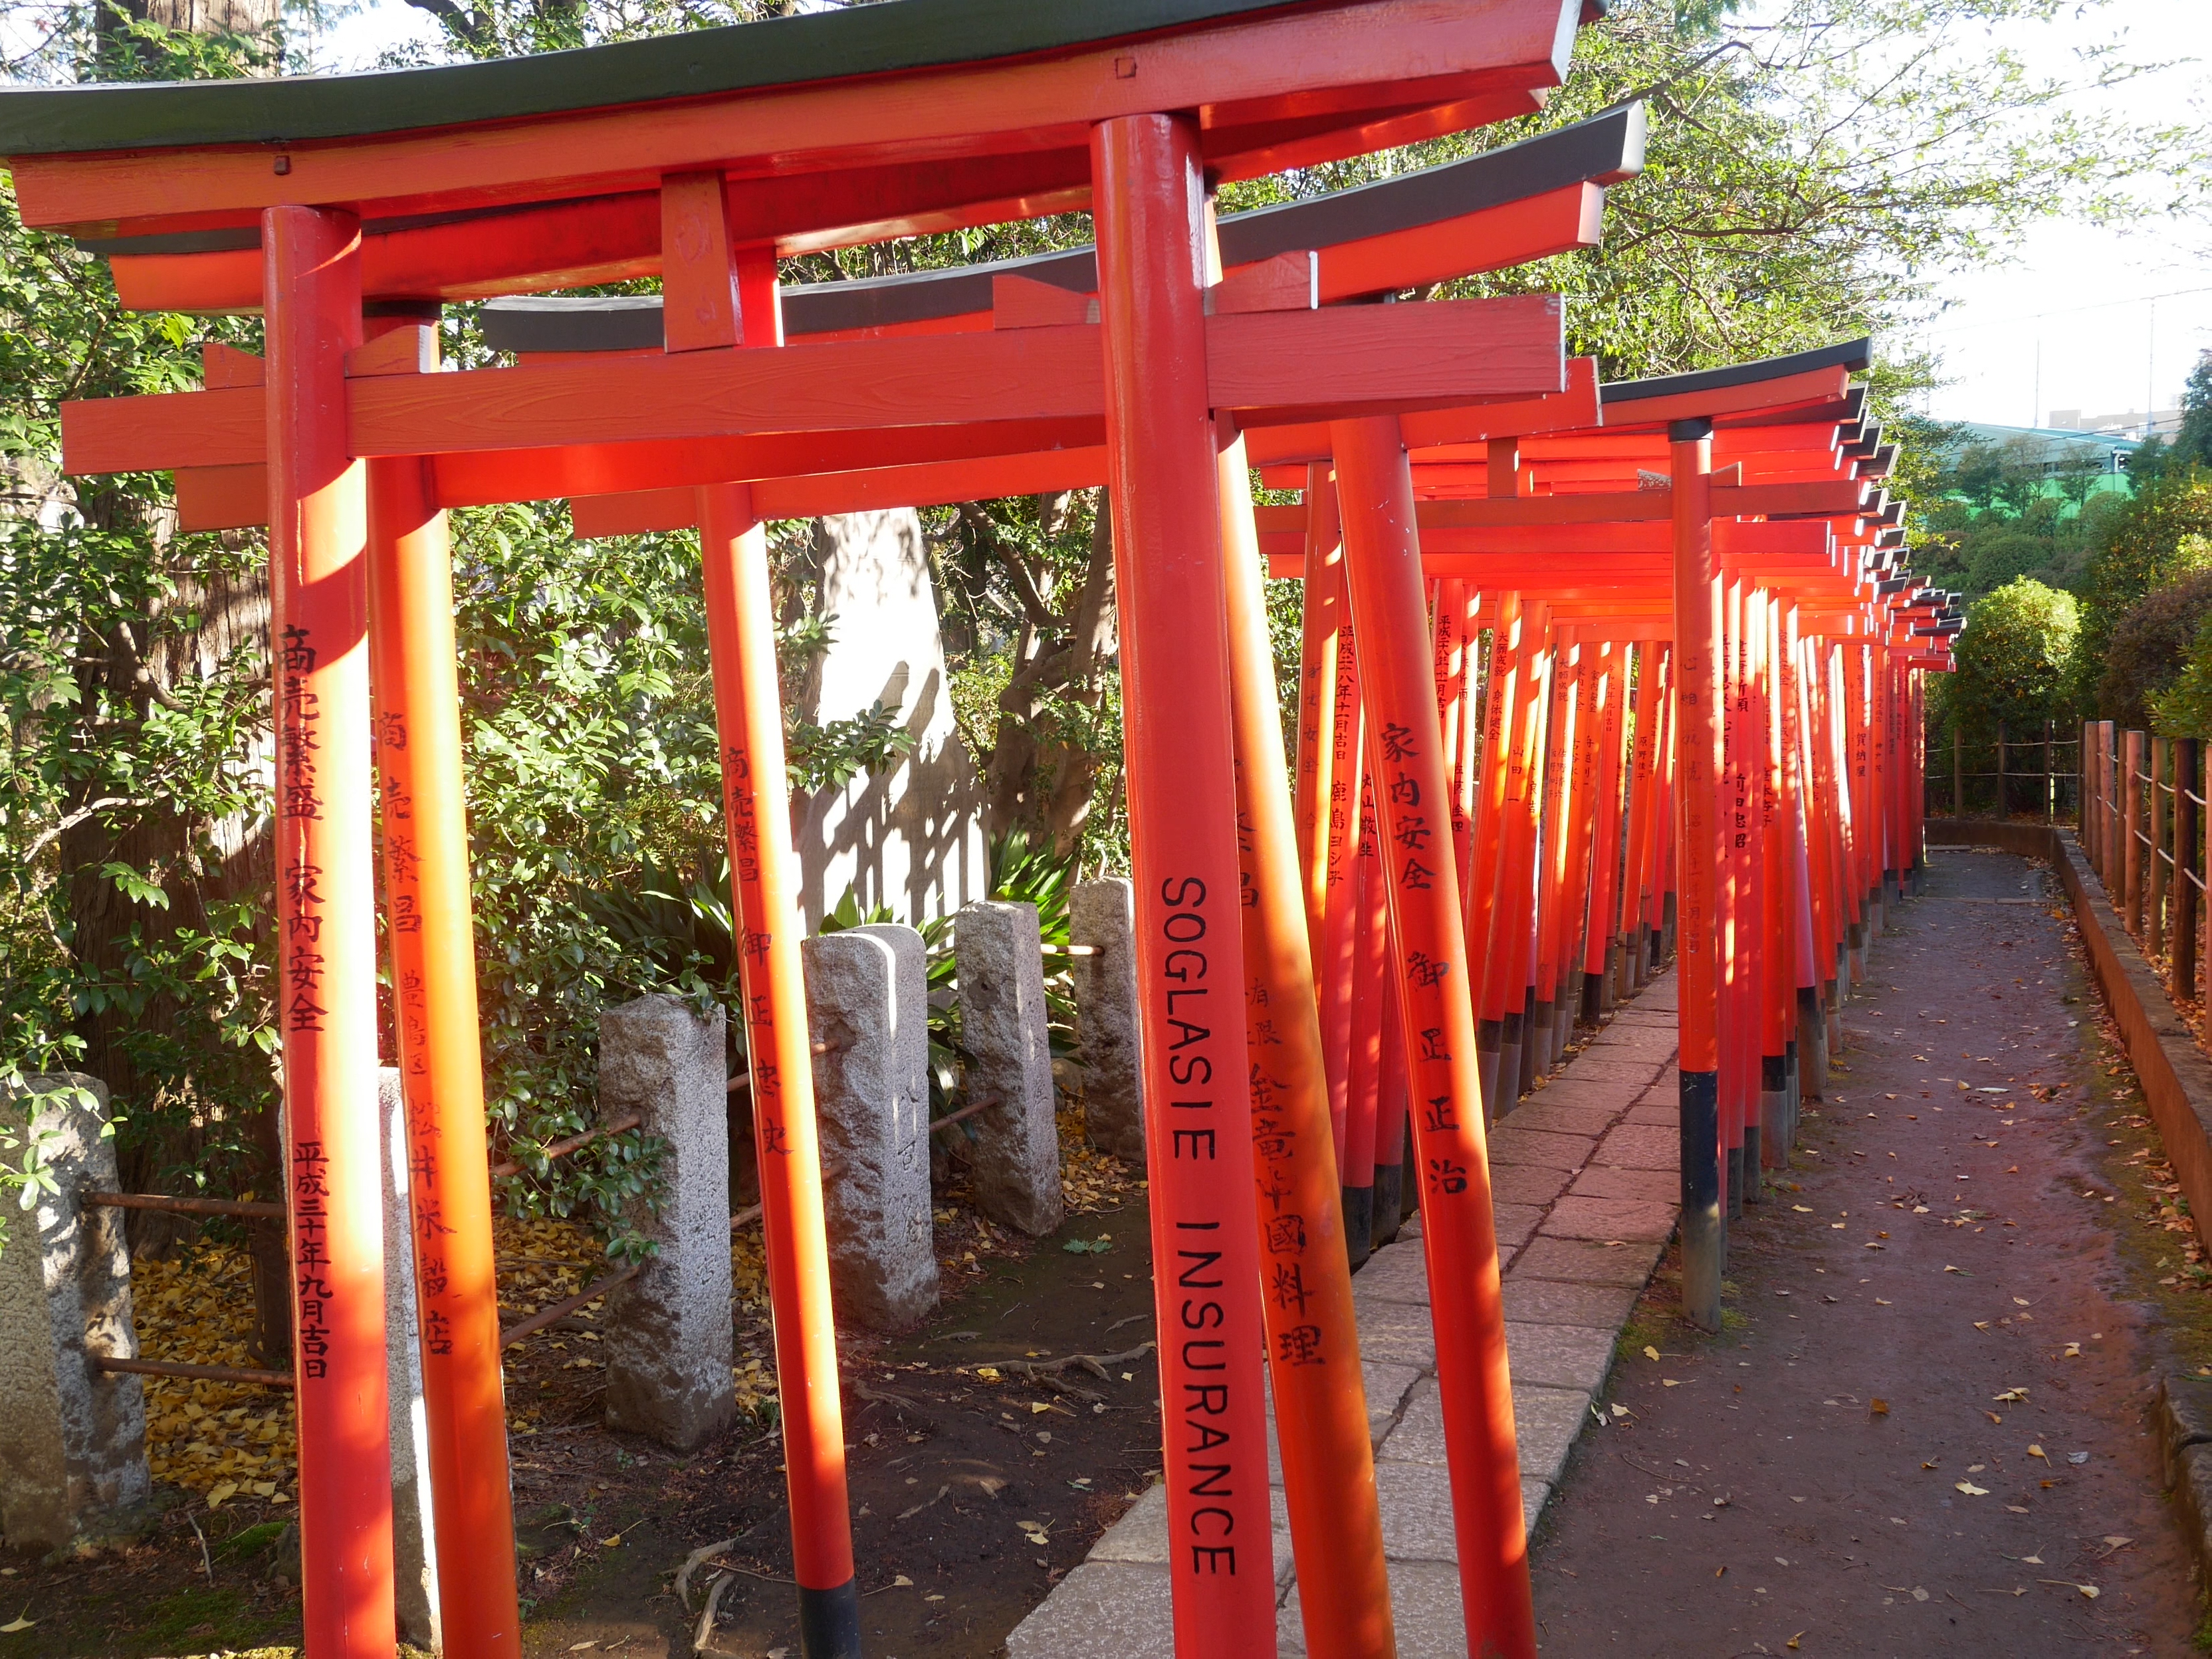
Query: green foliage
2012	660
2184	709
1991	513
2149	647
2164	533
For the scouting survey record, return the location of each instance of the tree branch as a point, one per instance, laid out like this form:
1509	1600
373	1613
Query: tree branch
91	809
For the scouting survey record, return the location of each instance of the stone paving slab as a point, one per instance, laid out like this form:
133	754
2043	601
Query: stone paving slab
1606	1218
1641	1147
1511	1146
1589	1114
1650	1185
1584	1177
1535	1184
1586	1261
1516	1224
1562	1301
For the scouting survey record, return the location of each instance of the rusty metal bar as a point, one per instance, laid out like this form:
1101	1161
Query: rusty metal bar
193	1373
229	1206
562	1148
544	1316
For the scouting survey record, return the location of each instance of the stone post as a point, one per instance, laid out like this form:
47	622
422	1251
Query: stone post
1015	1167
668	1335
72	1439
413	1539
867	1005
1103	916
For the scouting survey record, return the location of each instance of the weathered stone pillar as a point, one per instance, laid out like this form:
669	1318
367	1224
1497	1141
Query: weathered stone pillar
72	1439
867	1005
414	1545
668	1335
1103	916
1016	1164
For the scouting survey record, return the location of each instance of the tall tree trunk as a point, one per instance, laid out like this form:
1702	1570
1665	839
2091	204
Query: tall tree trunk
1032	780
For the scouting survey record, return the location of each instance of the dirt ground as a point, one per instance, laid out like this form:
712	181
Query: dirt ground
975	1486
1925	1429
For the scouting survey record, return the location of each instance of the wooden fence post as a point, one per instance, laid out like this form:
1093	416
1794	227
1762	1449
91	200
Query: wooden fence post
2131	827
2188	869
2161	846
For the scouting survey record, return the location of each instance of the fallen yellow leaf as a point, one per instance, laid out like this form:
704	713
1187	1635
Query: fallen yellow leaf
2036	1451
217	1497
17	1623
1668	1383
1878	1407
1036	1406
1971	1489
1651	1354
1792	1642
902	1582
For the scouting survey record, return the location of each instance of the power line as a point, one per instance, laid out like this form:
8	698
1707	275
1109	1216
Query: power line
2066	311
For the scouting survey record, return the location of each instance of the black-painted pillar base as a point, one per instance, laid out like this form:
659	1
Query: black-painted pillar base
1702	1239
1755	1156
1530	1038
1508	1095
1388	1195
1486	1067
1735	1173
830	1622
1792	1097
1548	1040
1358	1224
1773	1114
1591	1004
1812	1045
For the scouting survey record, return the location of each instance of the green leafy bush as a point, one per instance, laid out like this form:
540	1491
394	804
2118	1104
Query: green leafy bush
2163	534
2148	647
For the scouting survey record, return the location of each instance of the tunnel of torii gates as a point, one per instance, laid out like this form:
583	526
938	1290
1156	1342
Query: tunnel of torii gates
345	210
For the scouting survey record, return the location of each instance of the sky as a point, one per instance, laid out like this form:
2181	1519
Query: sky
2094	318
2087	316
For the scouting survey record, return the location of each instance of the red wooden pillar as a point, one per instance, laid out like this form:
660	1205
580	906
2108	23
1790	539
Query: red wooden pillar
1367	1061
1337	968
716	296
1324	610
1313	1336
1149	206
1500	694
1382	566
1578	883
1642	798
1699	844
756	817
326	930
1601	942
433	942
1776	967
1555	827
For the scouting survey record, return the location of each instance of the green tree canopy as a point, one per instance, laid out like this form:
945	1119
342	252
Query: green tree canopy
2012	661
2161	535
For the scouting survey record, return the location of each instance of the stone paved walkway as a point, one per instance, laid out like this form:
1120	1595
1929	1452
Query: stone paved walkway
1584	1174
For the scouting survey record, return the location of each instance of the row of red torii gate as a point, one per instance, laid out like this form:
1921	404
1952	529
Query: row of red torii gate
1571	655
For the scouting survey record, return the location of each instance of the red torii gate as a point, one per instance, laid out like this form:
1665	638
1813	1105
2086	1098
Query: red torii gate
1504	542
764	150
